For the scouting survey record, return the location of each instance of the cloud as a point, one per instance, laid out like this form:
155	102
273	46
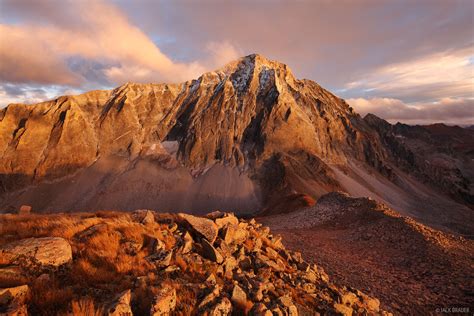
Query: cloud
448	110
30	93
428	78
42	51
332	42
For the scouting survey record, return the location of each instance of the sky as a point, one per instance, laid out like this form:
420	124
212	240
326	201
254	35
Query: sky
408	61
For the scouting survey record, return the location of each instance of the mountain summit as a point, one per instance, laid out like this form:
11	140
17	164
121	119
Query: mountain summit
247	137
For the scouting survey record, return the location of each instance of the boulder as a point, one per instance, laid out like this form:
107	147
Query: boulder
120	306
211	253
164	302
46	251
203	226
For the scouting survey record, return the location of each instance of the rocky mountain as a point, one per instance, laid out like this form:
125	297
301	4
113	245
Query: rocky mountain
248	137
160	264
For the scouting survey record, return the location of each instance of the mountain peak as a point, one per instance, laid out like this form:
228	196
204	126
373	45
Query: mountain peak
253	61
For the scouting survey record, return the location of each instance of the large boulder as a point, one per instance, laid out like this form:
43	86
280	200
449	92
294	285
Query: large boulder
46	251
203	226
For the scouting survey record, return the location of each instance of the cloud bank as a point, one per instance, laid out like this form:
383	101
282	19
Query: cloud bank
419	53
447	110
62	33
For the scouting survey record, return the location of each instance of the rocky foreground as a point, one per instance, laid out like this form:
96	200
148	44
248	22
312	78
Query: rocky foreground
412	268
145	263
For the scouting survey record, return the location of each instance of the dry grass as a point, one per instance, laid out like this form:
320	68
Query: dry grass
103	263
85	307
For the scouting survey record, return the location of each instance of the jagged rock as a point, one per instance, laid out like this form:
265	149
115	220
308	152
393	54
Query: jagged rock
153	244
24	210
210	296
222	308
120	306
13	296
229	265
45	251
161	259
149	218
203	226
188	243
233	234
239	297
210	252
164	302
227	219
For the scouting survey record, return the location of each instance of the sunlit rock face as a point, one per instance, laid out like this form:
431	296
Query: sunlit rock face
243	137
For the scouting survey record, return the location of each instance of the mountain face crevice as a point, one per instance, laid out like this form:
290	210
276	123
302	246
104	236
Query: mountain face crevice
251	120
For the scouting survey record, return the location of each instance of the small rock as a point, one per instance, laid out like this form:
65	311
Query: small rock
285	301
120	306
233	234
227	219
188	243
343	309
149	218
211	296
239	296
222	308
24	210
210	252
161	259
203	226
164	302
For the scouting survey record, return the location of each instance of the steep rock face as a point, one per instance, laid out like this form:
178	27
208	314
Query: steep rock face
252	115
436	154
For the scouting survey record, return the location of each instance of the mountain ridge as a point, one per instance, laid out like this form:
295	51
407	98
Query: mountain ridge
243	137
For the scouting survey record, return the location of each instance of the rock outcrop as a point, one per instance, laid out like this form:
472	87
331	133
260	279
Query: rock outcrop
44	252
